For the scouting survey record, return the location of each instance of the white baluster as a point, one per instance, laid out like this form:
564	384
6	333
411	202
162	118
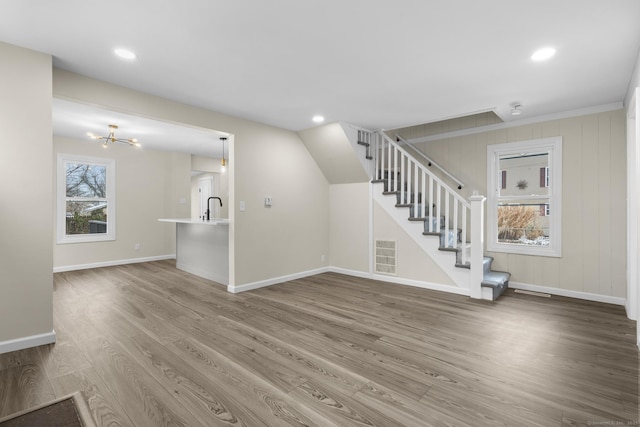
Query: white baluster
423	188
455	223
464	235
430	204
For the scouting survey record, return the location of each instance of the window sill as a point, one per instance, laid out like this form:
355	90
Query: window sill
85	238
544	251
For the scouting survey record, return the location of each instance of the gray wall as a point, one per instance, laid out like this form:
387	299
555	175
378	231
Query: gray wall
288	238
593	199
26	253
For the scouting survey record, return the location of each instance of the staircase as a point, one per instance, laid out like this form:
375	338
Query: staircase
421	196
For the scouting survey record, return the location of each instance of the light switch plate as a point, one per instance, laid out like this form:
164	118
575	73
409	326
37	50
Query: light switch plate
243	206
268	201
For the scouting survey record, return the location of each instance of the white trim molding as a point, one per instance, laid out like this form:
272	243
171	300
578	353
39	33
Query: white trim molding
234	289
27	342
346	272
420	284
402	281
61	199
495	152
112	263
568	293
597	109
633	206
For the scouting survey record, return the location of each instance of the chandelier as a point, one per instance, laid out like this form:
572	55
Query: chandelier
111	138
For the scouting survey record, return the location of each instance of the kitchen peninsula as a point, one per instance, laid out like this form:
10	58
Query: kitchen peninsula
202	247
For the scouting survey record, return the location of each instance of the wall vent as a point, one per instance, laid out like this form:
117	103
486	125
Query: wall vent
386	257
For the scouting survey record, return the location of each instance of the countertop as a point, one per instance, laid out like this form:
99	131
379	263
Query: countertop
215	221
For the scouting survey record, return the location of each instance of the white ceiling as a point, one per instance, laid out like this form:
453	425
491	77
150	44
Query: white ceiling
373	63
73	120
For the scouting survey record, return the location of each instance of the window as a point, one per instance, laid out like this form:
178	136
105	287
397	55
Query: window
86	199
519	216
544	177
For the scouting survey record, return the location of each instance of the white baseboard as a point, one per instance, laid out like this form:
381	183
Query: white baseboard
275	280
567	293
27	342
355	273
420	284
112	263
402	281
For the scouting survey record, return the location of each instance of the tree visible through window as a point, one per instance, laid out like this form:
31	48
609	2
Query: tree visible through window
85	199
518	210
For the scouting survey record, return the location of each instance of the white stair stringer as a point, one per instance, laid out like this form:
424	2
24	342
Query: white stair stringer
446	260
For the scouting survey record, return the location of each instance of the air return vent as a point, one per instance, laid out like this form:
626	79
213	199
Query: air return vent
386	257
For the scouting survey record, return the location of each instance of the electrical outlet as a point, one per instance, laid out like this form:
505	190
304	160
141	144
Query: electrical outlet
243	206
268	201
323	258
136	247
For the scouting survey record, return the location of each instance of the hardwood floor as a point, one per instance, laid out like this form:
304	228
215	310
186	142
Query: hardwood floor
147	345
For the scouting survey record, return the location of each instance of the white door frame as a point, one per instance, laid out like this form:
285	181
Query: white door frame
633	207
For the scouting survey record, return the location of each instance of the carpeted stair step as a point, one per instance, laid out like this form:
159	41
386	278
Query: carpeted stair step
498	281
486	264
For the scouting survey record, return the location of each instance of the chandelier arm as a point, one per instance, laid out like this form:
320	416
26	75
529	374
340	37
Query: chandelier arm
111	138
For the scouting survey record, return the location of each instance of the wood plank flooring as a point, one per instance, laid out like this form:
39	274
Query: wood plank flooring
149	345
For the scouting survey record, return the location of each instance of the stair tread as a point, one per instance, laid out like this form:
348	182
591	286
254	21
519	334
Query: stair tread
495	278
498	281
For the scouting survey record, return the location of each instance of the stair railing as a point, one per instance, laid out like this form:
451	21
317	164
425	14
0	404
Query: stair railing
428	197
430	162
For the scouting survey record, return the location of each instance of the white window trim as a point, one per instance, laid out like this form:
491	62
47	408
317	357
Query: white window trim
546	177
554	146
62	237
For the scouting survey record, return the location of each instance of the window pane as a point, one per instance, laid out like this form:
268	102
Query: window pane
86	217
524	222
86	180
526	172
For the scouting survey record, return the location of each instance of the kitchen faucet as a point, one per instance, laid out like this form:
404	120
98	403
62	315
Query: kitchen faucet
208	210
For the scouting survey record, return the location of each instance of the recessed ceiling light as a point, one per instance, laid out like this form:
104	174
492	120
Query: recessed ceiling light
318	119
543	54
124	54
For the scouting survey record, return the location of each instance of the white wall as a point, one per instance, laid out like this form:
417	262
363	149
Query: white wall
593	205
288	238
350	207
149	185
26	253
412	262
634	82
334	153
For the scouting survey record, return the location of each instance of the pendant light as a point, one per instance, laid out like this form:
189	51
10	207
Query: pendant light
223	162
